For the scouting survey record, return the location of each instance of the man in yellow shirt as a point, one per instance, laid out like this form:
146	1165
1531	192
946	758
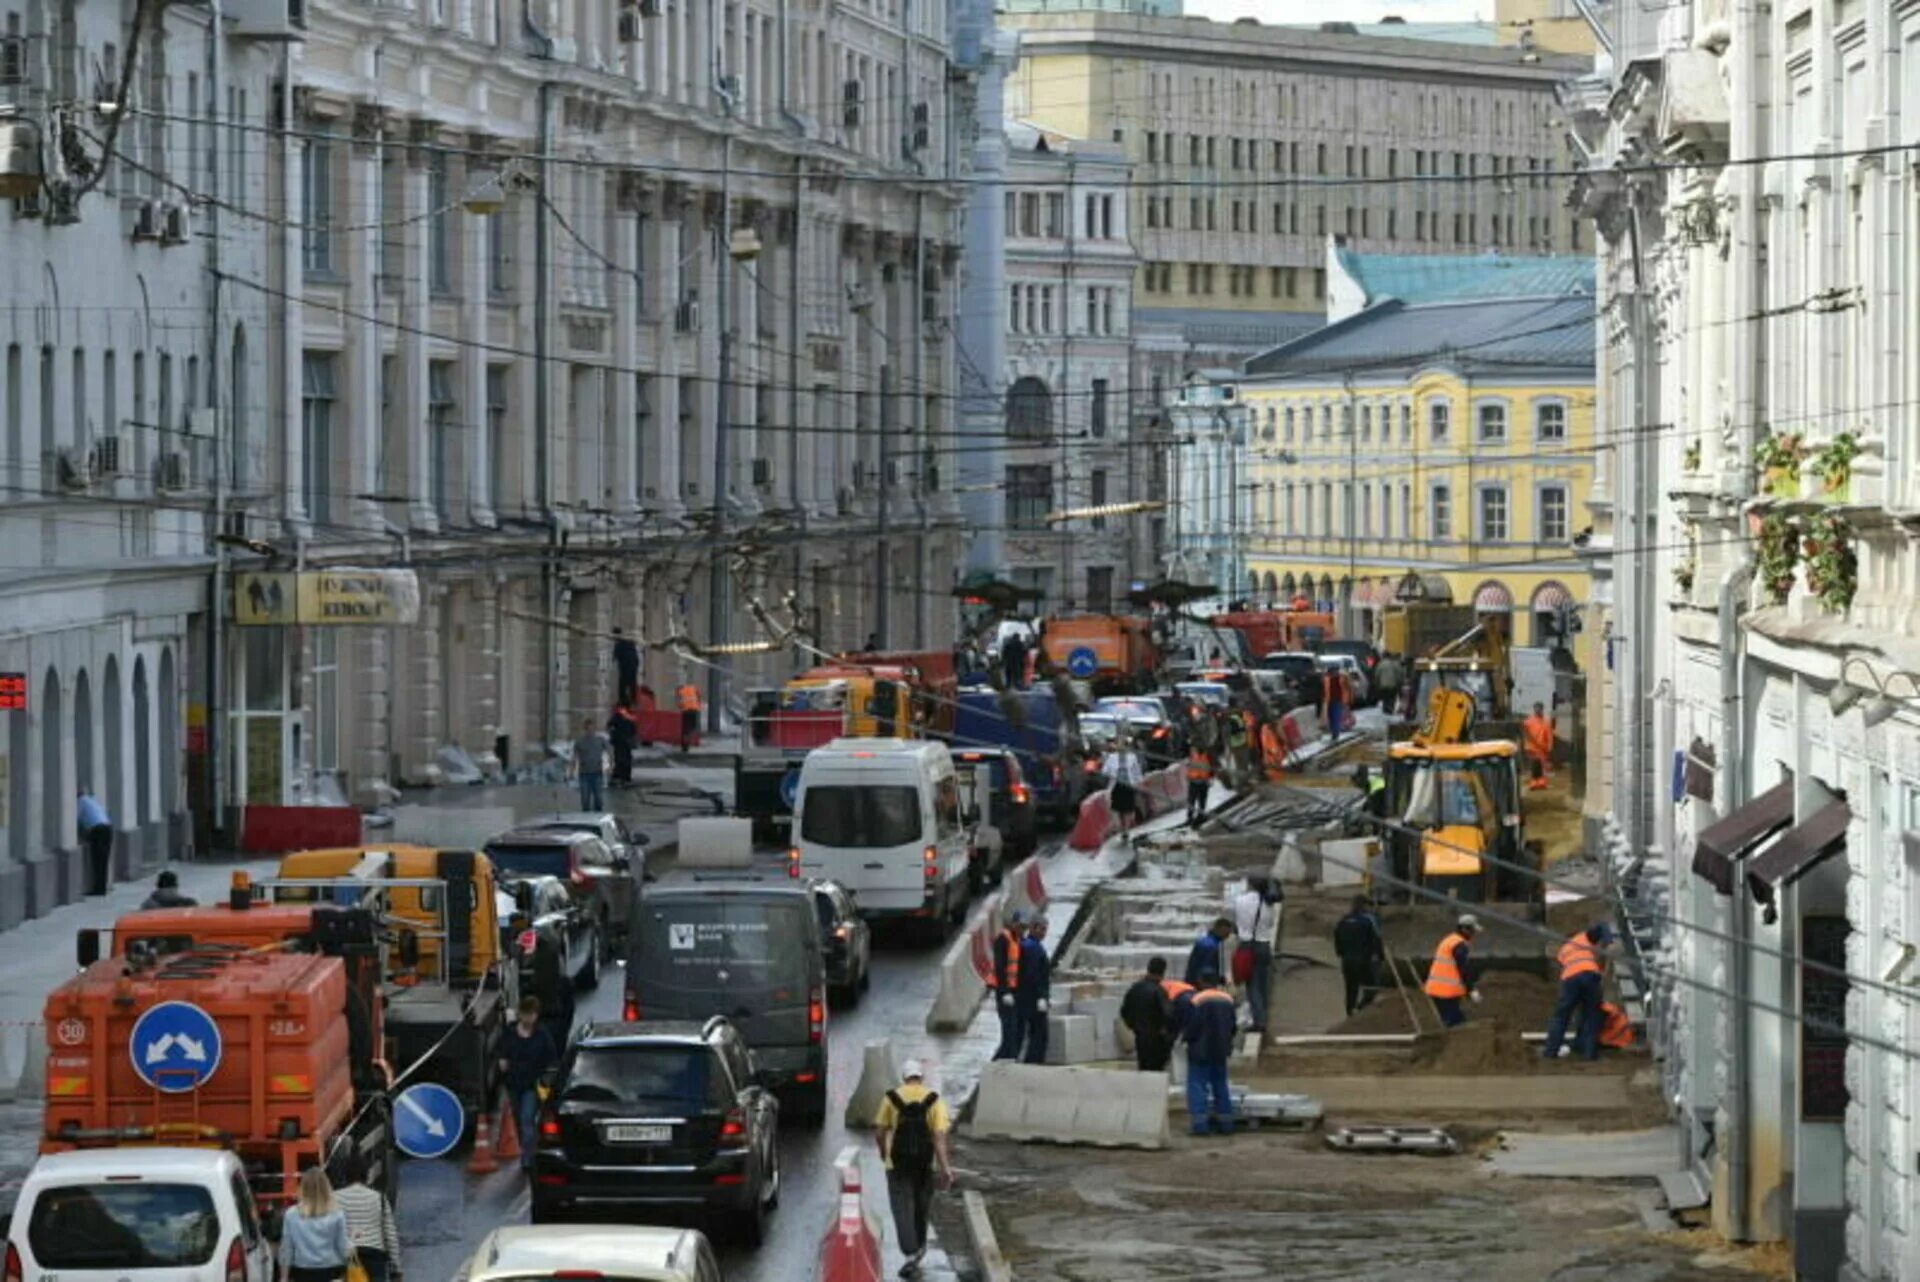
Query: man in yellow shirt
911	1128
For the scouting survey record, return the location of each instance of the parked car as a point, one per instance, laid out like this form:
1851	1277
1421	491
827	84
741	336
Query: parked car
137	1215
999	806
749	950
565	924
1302	671
1357	683
1158	734
621	842
618	1253
1363	651
660	1116
605	883
847	939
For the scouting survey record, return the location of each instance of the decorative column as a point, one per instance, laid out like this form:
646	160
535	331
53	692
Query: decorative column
482	695
421	740
630	198
361	390
473	365
370	730
416	310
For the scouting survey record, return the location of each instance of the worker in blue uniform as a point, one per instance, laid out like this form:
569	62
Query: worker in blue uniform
1209	1036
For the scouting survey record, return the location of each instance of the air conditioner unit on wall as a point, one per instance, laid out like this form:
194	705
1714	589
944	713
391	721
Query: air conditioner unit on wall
174	471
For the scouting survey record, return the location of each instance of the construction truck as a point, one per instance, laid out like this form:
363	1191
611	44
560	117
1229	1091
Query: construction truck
299	1074
1113	653
1275	631
1455	826
847	699
1411	629
1477	665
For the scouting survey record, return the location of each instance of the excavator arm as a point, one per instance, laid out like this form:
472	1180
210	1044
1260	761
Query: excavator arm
1448	719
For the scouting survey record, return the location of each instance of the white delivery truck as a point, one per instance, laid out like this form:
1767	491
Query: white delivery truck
883	818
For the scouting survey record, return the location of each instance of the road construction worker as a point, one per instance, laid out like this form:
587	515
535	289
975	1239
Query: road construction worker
1373	791
1581	974
1450	979
1147	1011
1209	1035
1334	701
1237	738
1536	734
1199	783
1036	987
1206	954
1005	983
1273	752
1362	951
687	698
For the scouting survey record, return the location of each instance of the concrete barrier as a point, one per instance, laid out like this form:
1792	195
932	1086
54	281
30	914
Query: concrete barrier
1166	790
850	1252
961	989
1026	890
33	1069
716	843
1090	831
1097	1106
986	1245
879	1073
981	940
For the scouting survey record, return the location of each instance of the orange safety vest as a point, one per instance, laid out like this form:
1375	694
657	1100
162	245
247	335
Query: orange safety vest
1616	1030
1578	957
1013	961
688	698
1272	747
1444	978
1198	767
1211	995
1538	732
1175	988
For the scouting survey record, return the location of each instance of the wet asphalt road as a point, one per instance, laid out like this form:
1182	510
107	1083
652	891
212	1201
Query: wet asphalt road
444	1212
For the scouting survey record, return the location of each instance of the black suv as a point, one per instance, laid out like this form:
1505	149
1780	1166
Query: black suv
668	1116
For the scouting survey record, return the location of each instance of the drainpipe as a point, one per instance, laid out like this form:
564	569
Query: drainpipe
1733	672
542	426
216	608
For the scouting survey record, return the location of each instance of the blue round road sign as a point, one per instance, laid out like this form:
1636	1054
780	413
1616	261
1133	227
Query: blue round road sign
428	1120
1082	661
790	787
175	1047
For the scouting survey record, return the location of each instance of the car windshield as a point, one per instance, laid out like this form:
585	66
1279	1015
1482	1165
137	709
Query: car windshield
751	941
591	852
860	816
658	1078
531	861
1132	709
133	1225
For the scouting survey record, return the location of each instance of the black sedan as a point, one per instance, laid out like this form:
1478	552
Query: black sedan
847	941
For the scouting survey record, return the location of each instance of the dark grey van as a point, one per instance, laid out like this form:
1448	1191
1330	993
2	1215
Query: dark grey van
750	951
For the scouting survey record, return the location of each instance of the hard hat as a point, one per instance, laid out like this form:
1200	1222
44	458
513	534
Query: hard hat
1468	922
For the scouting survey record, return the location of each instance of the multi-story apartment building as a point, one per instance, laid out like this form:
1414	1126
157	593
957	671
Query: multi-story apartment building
1252	144
586	299
126	377
1757	276
1068	375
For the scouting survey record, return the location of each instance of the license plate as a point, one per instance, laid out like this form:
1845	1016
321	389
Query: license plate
631	1134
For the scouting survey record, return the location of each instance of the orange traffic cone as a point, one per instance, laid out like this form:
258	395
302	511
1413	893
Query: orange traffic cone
509	1132
482	1162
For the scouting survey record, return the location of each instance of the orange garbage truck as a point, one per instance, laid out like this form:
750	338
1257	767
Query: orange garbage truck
1113	653
273	1054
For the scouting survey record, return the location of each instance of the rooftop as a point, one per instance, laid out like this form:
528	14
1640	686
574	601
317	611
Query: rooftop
1431	278
1505	335
1462	33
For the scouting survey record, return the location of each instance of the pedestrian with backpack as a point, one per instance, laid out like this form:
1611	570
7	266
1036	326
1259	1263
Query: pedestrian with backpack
912	1130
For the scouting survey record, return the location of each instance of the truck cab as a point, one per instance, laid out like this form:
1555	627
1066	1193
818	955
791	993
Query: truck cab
834	701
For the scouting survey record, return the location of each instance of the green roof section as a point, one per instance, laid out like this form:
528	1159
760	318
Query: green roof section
1435	278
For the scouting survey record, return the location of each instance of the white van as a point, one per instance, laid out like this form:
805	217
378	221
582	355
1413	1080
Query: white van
882	817
137	1215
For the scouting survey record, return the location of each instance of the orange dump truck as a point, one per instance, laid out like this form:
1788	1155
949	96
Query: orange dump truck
1114	653
296	1068
1271	631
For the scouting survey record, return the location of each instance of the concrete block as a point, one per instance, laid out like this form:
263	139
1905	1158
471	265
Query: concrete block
33	1069
879	1073
712	842
960	989
1070	1039
1106	1107
1345	863
986	1245
43	883
1025	890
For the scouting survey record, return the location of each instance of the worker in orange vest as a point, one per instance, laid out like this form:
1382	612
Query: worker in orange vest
1005	983
1581	974
1273	751
1536	734
688	699
1450	978
1199	782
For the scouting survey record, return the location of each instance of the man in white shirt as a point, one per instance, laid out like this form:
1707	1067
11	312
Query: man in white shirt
1256	911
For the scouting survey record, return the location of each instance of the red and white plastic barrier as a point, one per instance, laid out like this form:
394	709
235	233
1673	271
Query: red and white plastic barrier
851	1250
1095	824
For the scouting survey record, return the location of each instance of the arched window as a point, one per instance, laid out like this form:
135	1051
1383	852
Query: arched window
1029	410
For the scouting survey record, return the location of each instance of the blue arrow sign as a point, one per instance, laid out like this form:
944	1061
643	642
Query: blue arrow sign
1082	662
790	787
428	1120
175	1047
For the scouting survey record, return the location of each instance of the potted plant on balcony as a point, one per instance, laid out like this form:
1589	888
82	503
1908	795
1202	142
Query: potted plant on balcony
1834	464
1778	456
1833	568
1690	457
1778	552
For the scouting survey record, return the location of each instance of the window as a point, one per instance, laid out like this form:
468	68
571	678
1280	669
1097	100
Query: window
1437	416
1056	215
497	432
1553	514
1029	496
316	207
1550	421
1440	511
1097	422
439	227
124	1227
440	406
1326	420
1097	494
500	261
316	433
1493	514
1366	422
1406	510
1099	587
1406	421
1490	421
326	699
1286	425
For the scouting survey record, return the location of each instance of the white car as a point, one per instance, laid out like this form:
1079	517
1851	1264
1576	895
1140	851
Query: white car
137	1215
1357	681
616	1253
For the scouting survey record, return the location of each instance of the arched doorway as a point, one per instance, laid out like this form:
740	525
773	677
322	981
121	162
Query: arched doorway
53	781
1287	585
83	733
142	745
112	743
1271	587
169	754
1551	608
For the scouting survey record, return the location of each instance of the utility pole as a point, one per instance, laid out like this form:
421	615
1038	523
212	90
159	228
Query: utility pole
717	579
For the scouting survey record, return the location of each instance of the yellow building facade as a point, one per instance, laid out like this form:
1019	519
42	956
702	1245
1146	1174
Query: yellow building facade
1469	464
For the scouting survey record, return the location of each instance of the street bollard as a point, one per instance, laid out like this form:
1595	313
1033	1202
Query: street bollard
851	1250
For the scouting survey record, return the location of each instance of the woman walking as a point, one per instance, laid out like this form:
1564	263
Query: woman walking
370	1225
313	1234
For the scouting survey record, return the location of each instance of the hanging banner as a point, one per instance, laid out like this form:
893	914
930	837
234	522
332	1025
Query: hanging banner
340	597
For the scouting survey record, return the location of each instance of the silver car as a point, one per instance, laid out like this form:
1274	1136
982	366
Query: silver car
617	1253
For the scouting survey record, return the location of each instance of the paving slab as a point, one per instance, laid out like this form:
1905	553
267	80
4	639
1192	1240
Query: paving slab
1614	1155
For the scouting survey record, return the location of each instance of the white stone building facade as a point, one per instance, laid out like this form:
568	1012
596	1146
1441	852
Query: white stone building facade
1766	589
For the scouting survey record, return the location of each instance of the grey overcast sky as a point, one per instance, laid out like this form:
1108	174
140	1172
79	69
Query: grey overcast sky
1362	11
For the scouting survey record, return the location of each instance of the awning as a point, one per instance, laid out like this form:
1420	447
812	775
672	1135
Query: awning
1728	839
1802	846
1492	598
1372	596
1549	597
1428	588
